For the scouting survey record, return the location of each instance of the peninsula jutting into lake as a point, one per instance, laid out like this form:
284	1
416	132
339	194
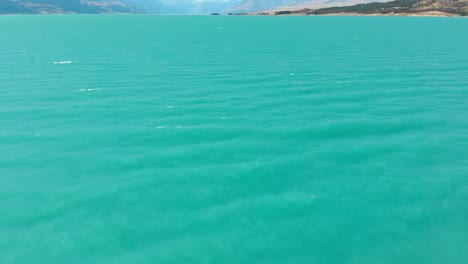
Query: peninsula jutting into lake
392	8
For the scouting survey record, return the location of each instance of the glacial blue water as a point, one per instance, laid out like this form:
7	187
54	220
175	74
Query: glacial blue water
198	139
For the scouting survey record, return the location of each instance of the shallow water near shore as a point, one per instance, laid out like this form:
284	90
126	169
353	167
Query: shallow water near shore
181	139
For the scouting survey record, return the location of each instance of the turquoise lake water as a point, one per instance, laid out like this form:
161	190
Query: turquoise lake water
198	139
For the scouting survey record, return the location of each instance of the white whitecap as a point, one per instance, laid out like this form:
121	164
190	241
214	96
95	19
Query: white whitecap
89	89
63	62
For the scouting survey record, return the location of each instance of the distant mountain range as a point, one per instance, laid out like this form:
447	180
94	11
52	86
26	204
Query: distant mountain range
210	6
213	6
145	6
65	6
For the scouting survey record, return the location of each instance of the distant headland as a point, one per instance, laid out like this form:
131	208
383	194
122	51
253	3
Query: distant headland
392	8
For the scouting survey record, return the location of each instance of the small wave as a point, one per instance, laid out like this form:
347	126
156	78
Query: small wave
176	127
89	89
63	62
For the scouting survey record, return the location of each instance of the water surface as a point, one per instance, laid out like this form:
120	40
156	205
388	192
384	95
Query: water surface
179	139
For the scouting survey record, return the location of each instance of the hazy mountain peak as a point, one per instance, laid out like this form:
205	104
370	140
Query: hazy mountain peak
159	6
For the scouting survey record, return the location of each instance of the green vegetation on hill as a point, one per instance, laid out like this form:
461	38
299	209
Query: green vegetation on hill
398	5
455	7
459	7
